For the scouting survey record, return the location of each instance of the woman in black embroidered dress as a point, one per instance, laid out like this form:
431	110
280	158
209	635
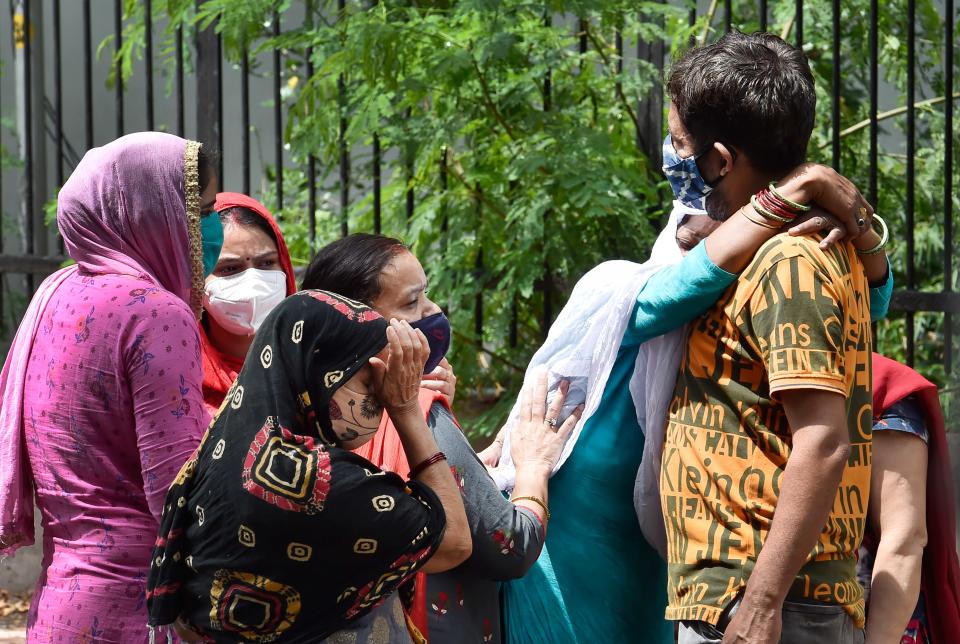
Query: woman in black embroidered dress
274	531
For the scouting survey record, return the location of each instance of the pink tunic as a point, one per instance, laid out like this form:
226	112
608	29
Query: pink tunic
112	408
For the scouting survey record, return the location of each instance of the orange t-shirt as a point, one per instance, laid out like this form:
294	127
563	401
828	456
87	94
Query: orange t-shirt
797	318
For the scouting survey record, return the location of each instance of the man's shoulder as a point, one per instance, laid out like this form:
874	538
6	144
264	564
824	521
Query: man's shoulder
832	262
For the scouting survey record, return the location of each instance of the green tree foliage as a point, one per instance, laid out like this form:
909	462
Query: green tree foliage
518	143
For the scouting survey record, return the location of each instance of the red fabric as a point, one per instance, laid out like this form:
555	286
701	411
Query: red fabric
940	573
219	369
386	452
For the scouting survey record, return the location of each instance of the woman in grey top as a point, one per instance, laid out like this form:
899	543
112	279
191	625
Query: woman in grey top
461	605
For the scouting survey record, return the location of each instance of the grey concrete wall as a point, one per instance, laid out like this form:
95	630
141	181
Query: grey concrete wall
20	572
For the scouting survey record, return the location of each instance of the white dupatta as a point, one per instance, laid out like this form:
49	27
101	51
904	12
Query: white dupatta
582	346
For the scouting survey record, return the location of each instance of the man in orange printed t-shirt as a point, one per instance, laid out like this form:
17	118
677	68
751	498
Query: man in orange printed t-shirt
765	473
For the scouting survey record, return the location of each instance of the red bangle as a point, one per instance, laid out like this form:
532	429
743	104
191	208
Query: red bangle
436	458
768	200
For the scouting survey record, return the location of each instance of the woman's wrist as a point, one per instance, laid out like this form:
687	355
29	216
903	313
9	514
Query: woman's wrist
867	240
405	412
535	470
801	185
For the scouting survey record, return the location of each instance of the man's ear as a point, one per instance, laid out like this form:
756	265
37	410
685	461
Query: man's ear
728	156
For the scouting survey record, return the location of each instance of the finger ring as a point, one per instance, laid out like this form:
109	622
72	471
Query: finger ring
861	222
552	422
863	217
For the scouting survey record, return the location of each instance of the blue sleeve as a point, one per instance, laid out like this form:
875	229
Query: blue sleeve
880	297
677	295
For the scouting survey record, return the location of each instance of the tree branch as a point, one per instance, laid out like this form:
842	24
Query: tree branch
489	100
897	111
787	28
490	353
599	44
457	172
711	12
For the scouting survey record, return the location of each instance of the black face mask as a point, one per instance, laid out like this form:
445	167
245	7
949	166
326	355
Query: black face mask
437	329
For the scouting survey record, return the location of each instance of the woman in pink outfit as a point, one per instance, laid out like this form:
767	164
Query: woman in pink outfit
102	398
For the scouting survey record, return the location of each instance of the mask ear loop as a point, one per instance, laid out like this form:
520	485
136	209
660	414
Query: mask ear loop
733	153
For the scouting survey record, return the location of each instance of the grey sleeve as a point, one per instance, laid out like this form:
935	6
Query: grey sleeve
507	539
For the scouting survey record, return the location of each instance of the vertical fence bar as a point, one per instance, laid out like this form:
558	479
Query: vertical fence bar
344	150
911	170
618	42
798	23
478	271
312	203
117	69
245	116
311	163
277	114
835	99
547	106
87	77
207	104
58	105
762	10
28	136
219	88
444	220
727	15
691	21
178	83
874	101
408	164
650	106
377	196
148	58
948	184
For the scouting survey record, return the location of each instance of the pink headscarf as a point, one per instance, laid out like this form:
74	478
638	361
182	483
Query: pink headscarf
131	207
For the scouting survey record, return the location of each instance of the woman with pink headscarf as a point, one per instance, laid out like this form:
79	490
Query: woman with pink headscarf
101	389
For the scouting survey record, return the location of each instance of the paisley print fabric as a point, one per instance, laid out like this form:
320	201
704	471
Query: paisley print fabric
272	531
101	388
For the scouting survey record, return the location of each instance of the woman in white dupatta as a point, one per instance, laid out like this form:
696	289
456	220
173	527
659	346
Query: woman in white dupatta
601	574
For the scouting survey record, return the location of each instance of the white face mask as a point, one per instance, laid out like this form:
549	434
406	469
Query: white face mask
355	416
241	302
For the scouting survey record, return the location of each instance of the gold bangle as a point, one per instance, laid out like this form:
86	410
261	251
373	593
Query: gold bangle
766	214
884	238
789	202
535	500
759	221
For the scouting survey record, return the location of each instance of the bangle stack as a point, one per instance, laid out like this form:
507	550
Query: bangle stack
774	209
884	238
536	500
436	458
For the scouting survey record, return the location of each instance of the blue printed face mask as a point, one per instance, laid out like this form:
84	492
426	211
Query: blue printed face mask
211	236
689	186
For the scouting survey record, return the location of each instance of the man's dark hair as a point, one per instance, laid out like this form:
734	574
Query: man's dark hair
351	266
753	92
207	159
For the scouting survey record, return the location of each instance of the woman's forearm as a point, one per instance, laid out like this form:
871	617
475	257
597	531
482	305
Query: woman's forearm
894	589
419	445
532	481
897	514
733	245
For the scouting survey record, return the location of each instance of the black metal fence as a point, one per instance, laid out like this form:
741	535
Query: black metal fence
194	103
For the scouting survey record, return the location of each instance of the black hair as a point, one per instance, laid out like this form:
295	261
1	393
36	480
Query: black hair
207	160
240	216
351	266
753	92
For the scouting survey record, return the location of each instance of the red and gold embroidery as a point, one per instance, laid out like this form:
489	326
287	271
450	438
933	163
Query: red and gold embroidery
287	470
